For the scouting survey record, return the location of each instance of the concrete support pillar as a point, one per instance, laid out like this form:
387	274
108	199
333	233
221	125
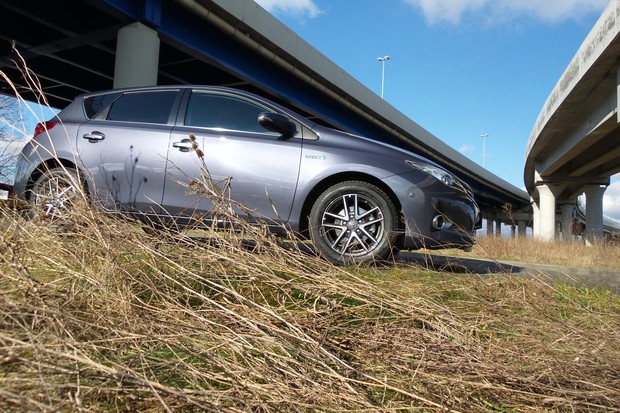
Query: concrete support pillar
546	226
521	228
137	56
594	212
490	232
567	220
498	228
480	231
535	217
618	92
520	220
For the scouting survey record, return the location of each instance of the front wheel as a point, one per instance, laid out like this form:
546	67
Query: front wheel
354	222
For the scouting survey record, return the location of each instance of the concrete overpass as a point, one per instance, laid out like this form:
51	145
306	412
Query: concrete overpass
574	147
234	43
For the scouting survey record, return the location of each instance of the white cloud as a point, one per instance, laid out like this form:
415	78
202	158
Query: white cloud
305	8
448	10
466	148
453	11
611	200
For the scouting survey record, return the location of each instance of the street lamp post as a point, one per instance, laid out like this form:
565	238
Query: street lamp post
484	137
383	60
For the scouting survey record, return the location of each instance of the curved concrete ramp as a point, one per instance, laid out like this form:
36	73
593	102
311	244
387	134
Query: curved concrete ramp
574	147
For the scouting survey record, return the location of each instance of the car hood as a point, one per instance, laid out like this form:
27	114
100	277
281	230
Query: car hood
346	140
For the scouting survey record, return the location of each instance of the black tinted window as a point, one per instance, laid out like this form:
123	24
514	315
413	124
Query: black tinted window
94	104
223	112
148	107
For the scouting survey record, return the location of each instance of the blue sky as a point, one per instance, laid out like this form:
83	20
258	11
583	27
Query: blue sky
458	68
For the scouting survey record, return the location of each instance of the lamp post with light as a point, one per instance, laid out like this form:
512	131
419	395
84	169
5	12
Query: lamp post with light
484	137
383	60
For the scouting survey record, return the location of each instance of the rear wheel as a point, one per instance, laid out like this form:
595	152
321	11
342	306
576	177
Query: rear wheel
354	222
54	197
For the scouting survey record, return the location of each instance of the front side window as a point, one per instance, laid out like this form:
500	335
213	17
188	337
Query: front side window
146	107
219	111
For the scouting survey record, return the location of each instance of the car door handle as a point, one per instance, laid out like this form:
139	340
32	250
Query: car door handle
184	146
94	136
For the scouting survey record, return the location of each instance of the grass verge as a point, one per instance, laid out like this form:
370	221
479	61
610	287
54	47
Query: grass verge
108	318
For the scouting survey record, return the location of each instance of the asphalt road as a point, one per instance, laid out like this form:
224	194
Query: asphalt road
583	277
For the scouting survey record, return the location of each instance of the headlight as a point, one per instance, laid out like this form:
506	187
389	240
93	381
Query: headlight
438	173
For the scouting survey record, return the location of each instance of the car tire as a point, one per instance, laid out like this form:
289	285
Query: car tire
354	222
54	197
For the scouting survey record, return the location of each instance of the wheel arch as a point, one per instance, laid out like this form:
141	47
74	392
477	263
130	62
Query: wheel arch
50	164
331	180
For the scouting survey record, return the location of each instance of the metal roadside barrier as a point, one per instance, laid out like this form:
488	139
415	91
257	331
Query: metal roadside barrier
6	191
9	200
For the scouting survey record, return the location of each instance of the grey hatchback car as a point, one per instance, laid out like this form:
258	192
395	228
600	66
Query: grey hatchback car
134	150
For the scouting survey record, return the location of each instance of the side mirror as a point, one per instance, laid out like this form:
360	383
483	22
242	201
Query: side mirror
278	123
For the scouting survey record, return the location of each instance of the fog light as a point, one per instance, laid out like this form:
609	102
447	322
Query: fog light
438	222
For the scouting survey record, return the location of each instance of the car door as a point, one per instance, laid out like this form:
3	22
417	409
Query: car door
256	168
123	149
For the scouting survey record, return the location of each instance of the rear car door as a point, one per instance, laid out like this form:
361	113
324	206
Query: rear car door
258	168
124	149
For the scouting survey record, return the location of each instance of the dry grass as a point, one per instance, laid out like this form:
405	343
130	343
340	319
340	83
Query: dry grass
572	254
108	318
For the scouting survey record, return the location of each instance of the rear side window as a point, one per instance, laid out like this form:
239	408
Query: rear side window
146	107
94	104
219	111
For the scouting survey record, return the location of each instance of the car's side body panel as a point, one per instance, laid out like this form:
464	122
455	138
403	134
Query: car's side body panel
258	171
158	152
127	169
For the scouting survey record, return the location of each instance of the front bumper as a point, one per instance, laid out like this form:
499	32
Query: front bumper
452	225
435	215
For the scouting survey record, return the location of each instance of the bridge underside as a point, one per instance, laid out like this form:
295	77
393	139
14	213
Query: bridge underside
214	42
